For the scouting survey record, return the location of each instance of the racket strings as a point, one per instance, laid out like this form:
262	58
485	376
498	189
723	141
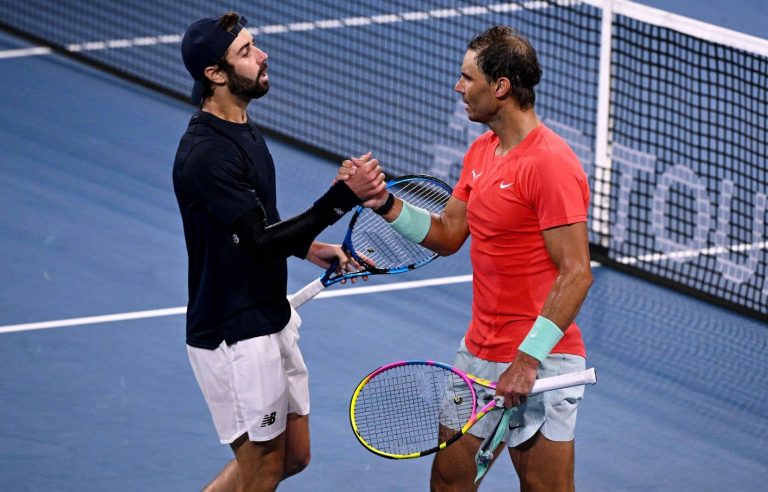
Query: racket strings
374	238
401	410
388	250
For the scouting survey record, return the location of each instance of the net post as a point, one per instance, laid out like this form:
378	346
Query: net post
601	197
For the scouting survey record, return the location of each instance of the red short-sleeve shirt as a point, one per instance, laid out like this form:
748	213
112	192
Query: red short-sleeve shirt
538	185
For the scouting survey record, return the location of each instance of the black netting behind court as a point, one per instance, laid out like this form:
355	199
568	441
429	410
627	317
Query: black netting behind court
679	191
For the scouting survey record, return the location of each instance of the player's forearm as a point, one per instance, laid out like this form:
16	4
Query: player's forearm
443	236
560	308
295	235
567	295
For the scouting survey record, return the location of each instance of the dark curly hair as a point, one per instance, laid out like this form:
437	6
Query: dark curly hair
504	52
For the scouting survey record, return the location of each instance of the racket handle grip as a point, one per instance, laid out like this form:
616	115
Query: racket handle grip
578	378
306	293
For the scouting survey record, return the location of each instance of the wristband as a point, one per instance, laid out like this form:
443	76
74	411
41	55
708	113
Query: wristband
541	339
413	223
387	206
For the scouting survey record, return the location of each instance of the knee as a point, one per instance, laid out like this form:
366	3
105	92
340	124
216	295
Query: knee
268	482
296	464
449	478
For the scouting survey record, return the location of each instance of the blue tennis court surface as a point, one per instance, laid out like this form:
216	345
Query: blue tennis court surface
89	226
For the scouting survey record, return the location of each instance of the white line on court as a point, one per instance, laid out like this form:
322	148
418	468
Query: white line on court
20	53
156	313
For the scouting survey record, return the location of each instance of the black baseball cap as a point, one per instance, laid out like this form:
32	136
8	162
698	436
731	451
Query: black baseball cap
204	43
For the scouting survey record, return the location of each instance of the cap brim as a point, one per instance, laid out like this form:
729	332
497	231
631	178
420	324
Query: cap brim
197	92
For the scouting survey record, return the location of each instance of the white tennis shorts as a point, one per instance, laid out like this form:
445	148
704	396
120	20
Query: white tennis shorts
552	412
252	385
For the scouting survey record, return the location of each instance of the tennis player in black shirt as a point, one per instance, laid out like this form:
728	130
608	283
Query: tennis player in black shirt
241	331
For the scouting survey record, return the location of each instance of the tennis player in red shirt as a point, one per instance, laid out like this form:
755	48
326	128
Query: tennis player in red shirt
523	197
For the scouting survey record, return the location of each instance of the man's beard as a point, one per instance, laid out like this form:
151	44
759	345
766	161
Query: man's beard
245	87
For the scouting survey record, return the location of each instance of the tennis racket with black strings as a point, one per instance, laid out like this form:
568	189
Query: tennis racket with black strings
377	247
410	409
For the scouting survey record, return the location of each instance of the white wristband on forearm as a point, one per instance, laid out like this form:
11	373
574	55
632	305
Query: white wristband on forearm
541	339
413	223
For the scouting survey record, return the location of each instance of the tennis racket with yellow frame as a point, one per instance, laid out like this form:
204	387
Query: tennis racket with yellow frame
413	408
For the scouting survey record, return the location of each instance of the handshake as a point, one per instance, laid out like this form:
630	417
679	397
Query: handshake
365	178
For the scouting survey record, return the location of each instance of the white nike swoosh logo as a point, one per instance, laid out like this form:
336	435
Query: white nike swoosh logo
476	175
502	185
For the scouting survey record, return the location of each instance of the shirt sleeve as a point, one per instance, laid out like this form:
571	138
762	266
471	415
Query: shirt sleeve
462	189
472	158
215	175
560	192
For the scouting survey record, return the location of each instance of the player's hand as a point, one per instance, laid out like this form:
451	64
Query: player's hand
368	180
349	168
516	382
323	255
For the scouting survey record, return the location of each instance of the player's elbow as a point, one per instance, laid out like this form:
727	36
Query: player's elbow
445	249
578	277
444	244
258	249
582	277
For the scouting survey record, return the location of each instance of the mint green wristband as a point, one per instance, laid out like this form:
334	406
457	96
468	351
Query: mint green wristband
413	223
541	339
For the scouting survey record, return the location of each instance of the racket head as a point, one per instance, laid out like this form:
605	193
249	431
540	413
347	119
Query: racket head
413	408
380	249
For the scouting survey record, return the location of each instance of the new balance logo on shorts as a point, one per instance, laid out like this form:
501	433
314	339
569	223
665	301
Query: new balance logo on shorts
268	419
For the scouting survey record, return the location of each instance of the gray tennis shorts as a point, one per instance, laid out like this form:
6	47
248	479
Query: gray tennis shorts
552	412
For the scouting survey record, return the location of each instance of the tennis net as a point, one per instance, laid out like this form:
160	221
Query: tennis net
667	115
